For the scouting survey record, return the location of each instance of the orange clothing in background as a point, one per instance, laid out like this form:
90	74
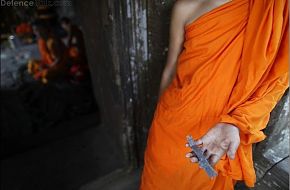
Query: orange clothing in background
54	60
233	69
45	54
24	28
35	67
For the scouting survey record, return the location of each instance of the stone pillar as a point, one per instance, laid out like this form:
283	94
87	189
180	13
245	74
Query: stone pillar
116	42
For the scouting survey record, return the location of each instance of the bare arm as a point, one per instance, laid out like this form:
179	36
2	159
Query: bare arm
178	19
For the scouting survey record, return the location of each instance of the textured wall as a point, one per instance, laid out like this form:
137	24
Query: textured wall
105	54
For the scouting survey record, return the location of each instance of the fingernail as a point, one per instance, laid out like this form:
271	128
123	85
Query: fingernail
193	160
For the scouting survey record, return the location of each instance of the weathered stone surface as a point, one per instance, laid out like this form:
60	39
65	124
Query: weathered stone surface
274	150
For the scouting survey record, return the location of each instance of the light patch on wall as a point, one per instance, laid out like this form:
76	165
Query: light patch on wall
129	14
280	149
142	32
286	107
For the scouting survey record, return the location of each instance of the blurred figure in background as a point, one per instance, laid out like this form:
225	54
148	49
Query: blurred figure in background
54	57
76	48
24	28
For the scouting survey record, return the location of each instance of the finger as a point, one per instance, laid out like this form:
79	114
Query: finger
206	139
211	149
193	159
203	149
198	142
216	156
225	144
207	154
190	154
232	149
214	159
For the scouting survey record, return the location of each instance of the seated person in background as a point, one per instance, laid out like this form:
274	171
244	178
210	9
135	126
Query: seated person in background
76	49
54	57
24	30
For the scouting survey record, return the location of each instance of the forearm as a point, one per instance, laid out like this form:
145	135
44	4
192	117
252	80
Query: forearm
179	17
252	116
166	79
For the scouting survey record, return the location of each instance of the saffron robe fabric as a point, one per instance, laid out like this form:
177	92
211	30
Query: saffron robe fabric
233	69
46	57
50	50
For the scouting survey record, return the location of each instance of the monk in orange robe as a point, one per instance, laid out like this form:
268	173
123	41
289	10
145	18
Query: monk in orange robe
225	72
34	66
24	29
54	57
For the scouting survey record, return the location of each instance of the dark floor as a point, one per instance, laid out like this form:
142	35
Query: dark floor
65	164
125	180
117	180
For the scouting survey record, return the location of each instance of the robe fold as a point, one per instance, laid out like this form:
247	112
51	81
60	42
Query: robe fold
234	69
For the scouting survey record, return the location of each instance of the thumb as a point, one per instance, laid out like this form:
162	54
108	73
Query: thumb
199	142
206	139
233	146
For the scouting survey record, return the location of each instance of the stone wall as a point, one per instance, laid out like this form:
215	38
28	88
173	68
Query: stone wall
106	51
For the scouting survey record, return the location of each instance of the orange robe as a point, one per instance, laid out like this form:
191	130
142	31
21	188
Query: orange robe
50	50
24	28
46	57
35	67
233	69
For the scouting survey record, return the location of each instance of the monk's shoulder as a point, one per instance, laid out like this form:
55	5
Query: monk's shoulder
184	8
186	4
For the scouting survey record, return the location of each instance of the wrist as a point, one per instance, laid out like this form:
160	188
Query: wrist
230	125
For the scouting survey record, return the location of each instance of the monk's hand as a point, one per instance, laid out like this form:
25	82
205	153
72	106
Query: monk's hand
222	139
